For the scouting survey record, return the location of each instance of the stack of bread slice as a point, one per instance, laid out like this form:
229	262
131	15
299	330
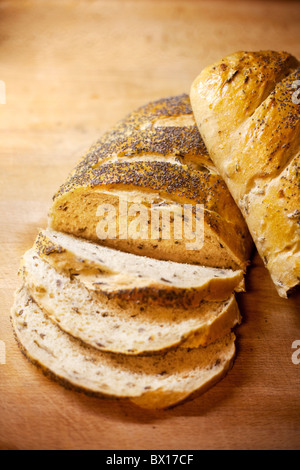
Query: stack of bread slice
132	317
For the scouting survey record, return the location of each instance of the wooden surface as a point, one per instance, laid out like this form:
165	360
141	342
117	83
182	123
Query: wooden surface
73	68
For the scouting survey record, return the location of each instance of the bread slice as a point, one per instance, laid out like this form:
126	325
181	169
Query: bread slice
248	112
151	382
155	158
122	327
131	277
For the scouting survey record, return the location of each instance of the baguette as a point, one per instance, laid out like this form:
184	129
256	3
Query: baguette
155	157
152	382
249	117
122	327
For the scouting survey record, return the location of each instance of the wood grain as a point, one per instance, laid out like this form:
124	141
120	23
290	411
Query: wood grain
72	70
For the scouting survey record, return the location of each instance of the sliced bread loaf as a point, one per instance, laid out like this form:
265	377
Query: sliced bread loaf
131	277
156	158
122	327
151	382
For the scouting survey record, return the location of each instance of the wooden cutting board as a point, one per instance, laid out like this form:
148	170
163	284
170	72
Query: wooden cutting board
71	70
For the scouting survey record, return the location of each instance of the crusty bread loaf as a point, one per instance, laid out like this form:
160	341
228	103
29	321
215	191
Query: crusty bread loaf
151	381
122	327
133	316
248	114
155	157
125	276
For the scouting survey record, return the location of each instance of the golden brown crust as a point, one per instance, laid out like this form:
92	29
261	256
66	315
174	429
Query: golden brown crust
241	82
255	144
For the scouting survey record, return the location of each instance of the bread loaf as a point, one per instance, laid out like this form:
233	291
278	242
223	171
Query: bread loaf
123	327
248	114
151	381
133	316
125	276
155	158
